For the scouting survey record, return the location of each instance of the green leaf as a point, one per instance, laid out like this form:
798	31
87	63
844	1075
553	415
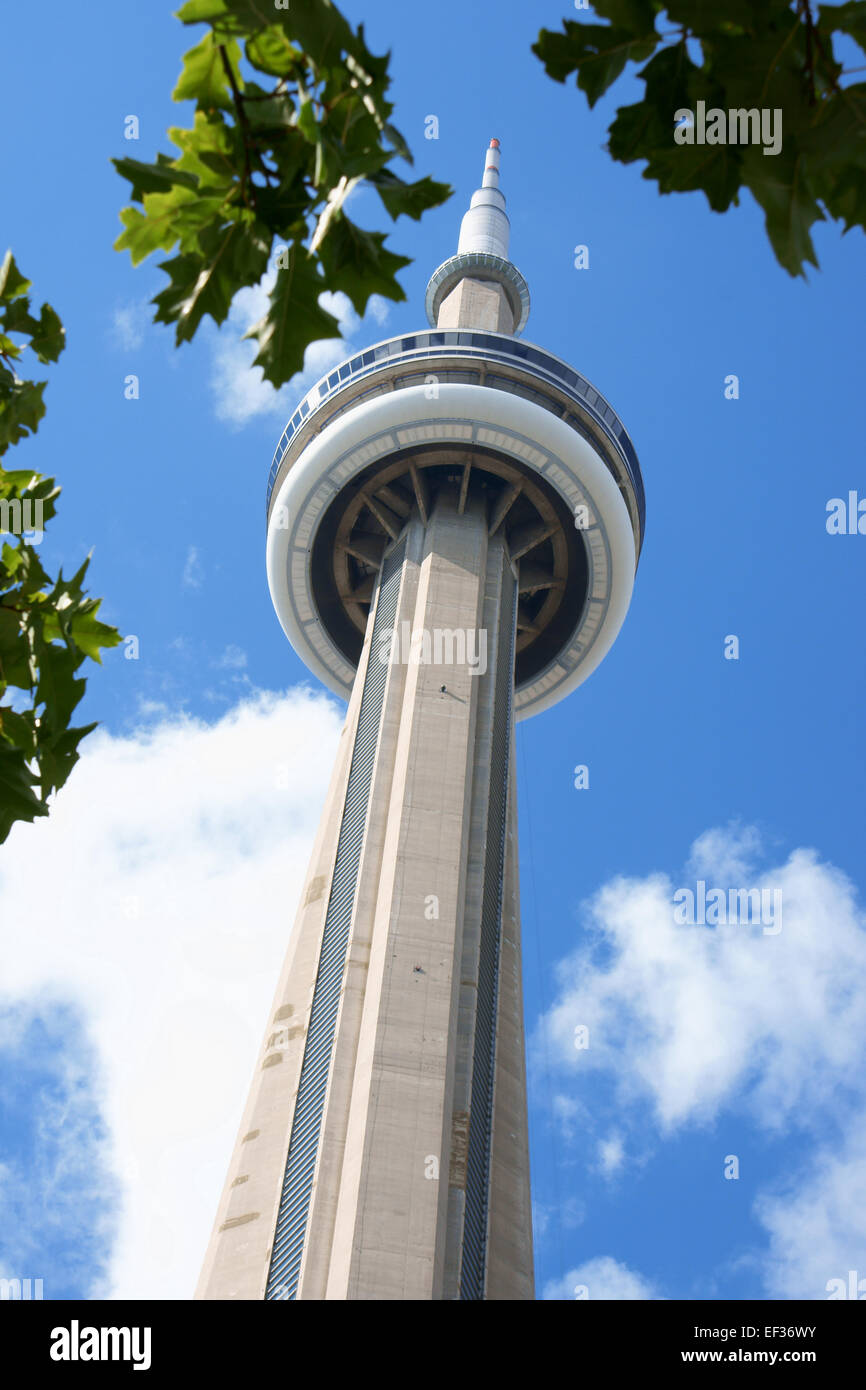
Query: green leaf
24	485
413	199
646	131
12	282
17	798
670	81
637	16
14	652
90	635
357	263
144	234
324	35
294	319
57	688
49	336
29	574
210	134
203	78
838	133
269	111
307	122
21	409
204	282
160	177
782	187
764	71
844	196
58	756
849	18
273	52
598	52
736	17
18	730
229	16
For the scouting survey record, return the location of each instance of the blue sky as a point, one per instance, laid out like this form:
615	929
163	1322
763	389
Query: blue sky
704	1044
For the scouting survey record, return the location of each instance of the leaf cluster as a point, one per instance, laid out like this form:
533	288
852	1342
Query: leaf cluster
21	403
291	114
774	55
48	627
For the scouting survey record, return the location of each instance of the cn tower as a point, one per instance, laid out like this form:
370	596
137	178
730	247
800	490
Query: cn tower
454	523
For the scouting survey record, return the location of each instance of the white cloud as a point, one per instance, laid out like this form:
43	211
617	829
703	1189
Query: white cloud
56	1187
688	1017
569	1214
146	707
177	855
540	1217
193	573
129	322
239	388
611	1154
572	1213
602	1278
690	1021
817	1223
570	1114
379	307
234	658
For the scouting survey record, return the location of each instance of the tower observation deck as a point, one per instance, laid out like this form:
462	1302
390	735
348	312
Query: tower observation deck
454	524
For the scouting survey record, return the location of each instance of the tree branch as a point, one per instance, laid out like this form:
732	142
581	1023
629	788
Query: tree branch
244	124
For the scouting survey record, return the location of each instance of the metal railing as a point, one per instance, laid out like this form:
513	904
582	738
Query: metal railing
484	347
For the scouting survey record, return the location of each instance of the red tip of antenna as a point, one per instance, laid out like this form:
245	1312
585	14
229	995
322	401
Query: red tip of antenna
494	144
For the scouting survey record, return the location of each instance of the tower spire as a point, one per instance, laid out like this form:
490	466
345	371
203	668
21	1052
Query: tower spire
485	227
480	287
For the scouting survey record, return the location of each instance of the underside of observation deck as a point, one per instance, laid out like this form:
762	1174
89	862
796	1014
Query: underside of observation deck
372	511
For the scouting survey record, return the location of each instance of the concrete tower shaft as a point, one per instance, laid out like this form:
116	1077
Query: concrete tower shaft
394	1051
